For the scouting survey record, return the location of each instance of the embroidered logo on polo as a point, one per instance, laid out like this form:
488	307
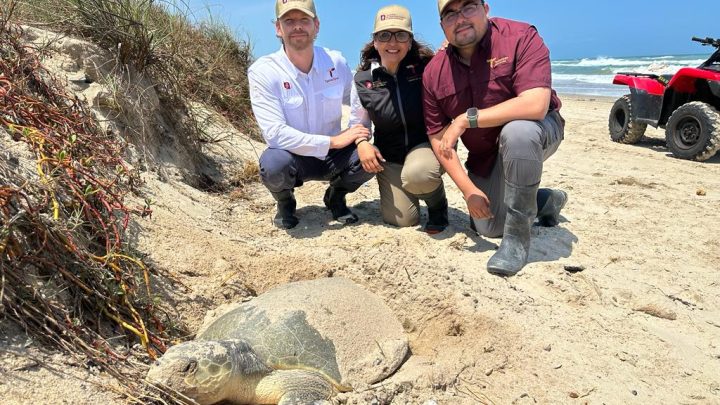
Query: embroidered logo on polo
332	78
286	85
495	62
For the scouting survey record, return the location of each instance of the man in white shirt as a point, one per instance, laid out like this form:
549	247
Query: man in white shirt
297	95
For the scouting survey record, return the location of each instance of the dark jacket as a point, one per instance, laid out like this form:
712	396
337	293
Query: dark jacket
394	104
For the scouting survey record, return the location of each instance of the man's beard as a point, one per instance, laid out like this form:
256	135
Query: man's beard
300	43
465	38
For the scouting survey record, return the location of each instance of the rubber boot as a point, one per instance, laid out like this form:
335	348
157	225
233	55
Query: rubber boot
285	217
512	255
335	201
437	205
549	203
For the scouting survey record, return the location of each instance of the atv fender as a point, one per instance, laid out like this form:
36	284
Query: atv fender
684	80
646	97
642	84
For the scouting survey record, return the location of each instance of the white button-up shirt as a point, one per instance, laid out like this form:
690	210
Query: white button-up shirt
358	113
297	111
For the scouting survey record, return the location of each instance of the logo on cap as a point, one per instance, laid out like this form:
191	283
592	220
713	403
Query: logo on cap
392	17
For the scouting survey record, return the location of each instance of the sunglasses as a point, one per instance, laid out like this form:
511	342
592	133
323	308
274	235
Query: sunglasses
386	36
467	11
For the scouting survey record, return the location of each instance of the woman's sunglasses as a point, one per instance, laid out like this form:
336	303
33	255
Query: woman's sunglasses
386	36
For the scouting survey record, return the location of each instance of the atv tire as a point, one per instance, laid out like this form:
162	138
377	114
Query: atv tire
621	125
693	131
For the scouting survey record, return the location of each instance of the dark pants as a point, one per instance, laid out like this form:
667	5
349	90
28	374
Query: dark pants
281	170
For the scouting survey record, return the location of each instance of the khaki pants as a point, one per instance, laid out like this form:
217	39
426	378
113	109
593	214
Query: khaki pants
401	184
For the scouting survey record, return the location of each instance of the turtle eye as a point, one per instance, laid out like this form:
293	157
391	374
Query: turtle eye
190	367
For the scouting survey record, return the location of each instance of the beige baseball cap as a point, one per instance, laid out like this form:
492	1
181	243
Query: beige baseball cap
283	6
442	4
393	17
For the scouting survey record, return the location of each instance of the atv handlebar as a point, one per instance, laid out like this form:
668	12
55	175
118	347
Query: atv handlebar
708	41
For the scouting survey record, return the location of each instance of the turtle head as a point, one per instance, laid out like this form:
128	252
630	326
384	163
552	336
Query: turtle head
201	370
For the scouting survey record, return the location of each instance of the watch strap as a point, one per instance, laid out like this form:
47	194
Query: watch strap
473	121
472	118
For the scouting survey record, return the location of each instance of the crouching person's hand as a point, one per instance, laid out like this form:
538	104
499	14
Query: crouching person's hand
370	157
349	136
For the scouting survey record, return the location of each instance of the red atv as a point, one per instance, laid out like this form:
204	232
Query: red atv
686	104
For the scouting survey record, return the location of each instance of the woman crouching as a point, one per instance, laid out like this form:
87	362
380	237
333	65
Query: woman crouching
388	93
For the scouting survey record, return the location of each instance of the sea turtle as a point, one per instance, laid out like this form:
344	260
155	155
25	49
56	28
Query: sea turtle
295	344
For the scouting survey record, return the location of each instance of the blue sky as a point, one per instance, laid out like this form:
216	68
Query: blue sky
571	28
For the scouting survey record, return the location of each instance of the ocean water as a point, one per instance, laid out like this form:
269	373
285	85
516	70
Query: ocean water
594	76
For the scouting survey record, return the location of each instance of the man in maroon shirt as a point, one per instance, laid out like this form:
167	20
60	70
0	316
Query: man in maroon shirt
491	88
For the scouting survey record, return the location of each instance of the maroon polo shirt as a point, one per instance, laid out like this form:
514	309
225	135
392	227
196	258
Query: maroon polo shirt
510	59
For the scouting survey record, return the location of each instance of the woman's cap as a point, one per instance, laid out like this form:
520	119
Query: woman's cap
393	18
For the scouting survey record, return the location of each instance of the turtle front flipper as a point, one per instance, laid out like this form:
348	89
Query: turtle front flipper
294	387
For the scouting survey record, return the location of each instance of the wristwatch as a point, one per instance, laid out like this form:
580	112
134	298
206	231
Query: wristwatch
472	116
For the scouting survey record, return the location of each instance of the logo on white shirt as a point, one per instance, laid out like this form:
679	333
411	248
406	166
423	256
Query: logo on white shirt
331	71
286	85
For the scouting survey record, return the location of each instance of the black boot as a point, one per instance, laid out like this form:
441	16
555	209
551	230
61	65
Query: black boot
285	217
335	201
437	205
549	203
512	255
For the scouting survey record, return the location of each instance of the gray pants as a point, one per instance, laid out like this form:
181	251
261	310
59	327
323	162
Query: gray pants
524	146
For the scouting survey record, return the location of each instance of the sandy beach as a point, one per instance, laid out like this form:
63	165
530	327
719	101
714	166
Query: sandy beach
640	323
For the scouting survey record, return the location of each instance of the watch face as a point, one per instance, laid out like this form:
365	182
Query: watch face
472	112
